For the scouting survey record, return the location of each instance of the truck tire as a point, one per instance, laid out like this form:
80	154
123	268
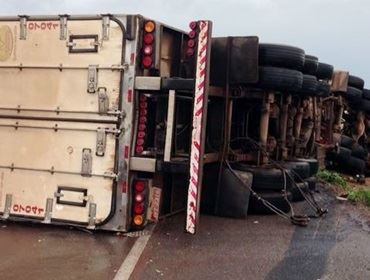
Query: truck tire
268	178
363	105
296	193
355	166
366	94
281	56
311	64
356	82
324	71
309	84
300	170
353	95
359	152
275	198
314	165
280	79
312	182
341	157
347	142
345	153
323	89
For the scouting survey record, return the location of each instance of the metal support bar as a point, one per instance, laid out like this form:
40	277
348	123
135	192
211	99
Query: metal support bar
8	206
265	119
63	27
105	27
58	111
103	101
23	27
52	171
61	67
143	164
92	215
56	128
101	142
92	79
170	125
48	211
148	83
284	125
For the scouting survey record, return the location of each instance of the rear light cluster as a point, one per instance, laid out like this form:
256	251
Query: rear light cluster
138	205
191	44
142	124
148	46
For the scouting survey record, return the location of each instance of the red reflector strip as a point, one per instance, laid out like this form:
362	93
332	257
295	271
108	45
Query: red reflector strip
132	59
124	187
129	95
126	152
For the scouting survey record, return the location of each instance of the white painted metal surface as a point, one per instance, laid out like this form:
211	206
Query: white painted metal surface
36	96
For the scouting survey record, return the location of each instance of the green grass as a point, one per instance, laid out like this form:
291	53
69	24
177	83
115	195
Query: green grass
333	178
360	195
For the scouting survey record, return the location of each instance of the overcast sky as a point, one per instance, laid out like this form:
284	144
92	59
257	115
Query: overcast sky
338	31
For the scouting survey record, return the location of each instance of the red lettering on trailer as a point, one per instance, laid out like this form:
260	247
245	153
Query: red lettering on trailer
43	26
19	208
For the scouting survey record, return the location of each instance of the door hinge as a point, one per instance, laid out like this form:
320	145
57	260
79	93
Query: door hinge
92	78
63	27
86	168
48	211
106	27
8	206
101	142
92	216
103	101
23	27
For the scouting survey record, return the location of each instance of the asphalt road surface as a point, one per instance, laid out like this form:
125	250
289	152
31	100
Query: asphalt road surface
335	247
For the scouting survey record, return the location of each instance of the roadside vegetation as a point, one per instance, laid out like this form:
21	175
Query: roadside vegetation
357	194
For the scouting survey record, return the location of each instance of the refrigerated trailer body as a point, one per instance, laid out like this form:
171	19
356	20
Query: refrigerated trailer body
101	124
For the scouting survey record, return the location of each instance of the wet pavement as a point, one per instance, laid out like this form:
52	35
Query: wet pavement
335	247
32	252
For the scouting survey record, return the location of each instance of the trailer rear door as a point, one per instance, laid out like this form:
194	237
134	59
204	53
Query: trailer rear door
59	118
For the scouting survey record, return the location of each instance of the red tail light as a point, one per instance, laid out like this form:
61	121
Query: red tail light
139	149
143	112
148	46
147	61
139	197
140	142
139	209
139	186
193	25
139	202
141	135
143	120
148	39
148	50
191	44
142	125
192	34
190	52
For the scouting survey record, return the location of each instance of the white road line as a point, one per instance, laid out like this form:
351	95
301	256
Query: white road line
133	257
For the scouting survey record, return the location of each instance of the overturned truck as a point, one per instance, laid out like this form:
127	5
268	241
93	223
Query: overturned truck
111	122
